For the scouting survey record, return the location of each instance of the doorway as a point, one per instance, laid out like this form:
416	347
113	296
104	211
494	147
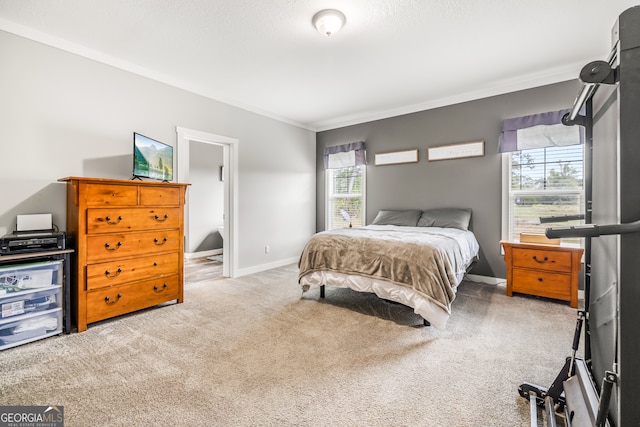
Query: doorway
228	174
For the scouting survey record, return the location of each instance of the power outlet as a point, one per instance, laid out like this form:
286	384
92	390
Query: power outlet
267	249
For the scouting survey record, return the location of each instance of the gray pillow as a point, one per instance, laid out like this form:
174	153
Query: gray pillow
408	218
446	218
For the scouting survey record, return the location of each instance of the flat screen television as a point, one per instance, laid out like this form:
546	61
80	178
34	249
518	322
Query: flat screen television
152	159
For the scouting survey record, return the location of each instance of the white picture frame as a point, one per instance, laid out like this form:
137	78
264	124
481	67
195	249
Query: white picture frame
456	151
396	157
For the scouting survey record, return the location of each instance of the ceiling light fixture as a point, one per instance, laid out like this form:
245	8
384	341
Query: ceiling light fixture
328	21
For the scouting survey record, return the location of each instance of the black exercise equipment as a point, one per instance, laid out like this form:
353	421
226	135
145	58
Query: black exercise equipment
603	388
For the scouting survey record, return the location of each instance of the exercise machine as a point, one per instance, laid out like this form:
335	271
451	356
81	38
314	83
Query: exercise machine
602	389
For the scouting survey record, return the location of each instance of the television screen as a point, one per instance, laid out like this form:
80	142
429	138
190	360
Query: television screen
152	159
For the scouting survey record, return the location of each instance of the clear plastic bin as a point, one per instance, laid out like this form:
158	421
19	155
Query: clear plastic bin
30	328
18	277
25	302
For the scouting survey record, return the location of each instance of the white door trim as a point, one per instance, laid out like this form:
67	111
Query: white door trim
230	146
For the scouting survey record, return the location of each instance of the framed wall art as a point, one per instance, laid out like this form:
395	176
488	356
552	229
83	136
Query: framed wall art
456	151
406	156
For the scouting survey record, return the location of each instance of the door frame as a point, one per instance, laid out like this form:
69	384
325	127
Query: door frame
230	155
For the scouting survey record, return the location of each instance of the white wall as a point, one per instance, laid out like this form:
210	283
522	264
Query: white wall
65	115
206	197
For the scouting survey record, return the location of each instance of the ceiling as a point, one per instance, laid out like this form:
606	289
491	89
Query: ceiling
392	57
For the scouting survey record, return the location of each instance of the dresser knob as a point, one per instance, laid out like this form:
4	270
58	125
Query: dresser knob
109	248
109	221
158	290
162	219
540	279
107	301
116	274
158	242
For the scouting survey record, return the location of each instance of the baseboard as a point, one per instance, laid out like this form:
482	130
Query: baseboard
264	267
486	279
202	254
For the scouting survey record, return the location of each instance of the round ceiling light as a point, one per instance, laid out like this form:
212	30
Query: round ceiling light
328	21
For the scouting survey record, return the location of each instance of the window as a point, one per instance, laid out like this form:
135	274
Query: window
543	182
345	197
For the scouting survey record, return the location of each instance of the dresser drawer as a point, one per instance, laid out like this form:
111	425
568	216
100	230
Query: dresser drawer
542	283
104	247
158	196
131	219
111	195
117	272
542	259
117	300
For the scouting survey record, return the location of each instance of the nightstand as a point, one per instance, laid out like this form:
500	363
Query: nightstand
544	270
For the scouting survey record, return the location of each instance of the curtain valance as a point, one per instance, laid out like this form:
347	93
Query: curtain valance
538	131
345	155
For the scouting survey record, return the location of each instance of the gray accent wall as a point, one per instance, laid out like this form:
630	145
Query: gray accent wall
65	115
472	182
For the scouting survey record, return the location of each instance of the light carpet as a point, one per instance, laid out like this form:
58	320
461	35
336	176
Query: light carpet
252	351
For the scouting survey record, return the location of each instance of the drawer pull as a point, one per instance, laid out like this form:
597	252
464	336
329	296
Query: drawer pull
166	217
108	247
540	261
540	279
109	221
158	242
158	290
110	275
107	299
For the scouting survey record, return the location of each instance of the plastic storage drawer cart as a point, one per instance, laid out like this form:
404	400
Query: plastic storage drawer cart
31	301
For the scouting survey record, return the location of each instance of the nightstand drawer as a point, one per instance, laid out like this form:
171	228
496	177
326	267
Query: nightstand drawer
543	270
542	283
542	259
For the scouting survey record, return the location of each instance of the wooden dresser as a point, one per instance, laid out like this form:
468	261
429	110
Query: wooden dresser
129	240
543	270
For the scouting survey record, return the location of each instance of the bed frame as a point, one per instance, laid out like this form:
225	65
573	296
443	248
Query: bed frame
424	321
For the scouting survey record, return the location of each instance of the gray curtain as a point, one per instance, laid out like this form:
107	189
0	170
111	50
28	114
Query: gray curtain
537	131
345	155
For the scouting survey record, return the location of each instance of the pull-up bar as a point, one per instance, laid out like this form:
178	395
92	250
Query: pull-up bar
592	230
591	75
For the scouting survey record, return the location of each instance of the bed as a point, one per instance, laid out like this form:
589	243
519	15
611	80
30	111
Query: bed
413	257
